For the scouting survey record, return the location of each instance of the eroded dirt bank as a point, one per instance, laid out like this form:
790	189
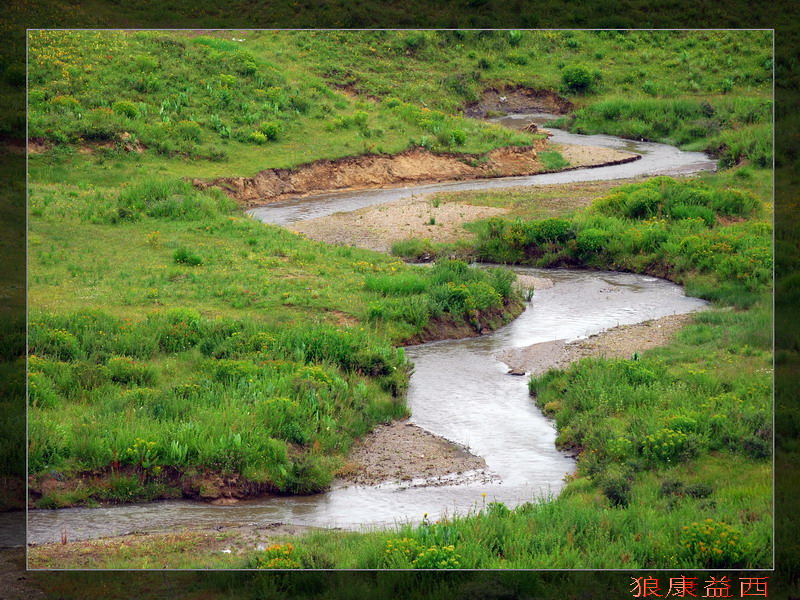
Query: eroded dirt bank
518	99
417	165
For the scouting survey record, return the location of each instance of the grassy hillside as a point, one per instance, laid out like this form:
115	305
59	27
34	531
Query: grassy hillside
235	103
213	107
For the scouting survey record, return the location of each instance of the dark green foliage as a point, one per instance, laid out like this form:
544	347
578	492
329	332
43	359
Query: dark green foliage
617	488
577	79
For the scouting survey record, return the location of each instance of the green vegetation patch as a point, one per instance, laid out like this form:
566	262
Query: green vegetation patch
172	339
704	233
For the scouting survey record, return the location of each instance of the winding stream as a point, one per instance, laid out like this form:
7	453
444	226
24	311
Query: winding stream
657	159
458	389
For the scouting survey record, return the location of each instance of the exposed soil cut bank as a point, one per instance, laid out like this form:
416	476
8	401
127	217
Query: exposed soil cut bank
518	99
416	165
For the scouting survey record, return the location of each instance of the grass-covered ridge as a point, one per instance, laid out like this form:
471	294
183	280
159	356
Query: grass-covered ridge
173	340
208	97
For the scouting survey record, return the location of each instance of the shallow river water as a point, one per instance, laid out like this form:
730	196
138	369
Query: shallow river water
458	389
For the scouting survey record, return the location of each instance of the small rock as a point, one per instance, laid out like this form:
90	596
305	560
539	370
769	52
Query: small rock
518	372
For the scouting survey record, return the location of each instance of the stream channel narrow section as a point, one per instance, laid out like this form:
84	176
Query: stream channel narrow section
458	390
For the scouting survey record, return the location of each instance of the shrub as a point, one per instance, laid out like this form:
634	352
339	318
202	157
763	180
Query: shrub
409	553
713	544
56	343
277	556
232	371
65	101
146	63
178	329
270	129
577	79
592	241
257	137
189	131
668	446
125	108
124	369
617	488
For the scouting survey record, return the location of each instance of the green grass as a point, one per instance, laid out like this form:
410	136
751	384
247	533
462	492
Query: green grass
704	233
173	339
234	112
212	122
734	129
254	379
552	160
670	438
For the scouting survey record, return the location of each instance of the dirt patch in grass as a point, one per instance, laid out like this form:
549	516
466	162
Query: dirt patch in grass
592	156
518	99
378	227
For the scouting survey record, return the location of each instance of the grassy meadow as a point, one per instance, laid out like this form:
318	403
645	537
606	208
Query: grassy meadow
176	344
172	338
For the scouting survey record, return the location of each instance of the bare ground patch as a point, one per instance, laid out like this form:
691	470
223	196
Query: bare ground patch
378	227
591	156
518	99
401	452
618	342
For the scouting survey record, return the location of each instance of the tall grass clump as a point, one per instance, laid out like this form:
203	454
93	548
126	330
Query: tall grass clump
171	199
450	291
177	395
